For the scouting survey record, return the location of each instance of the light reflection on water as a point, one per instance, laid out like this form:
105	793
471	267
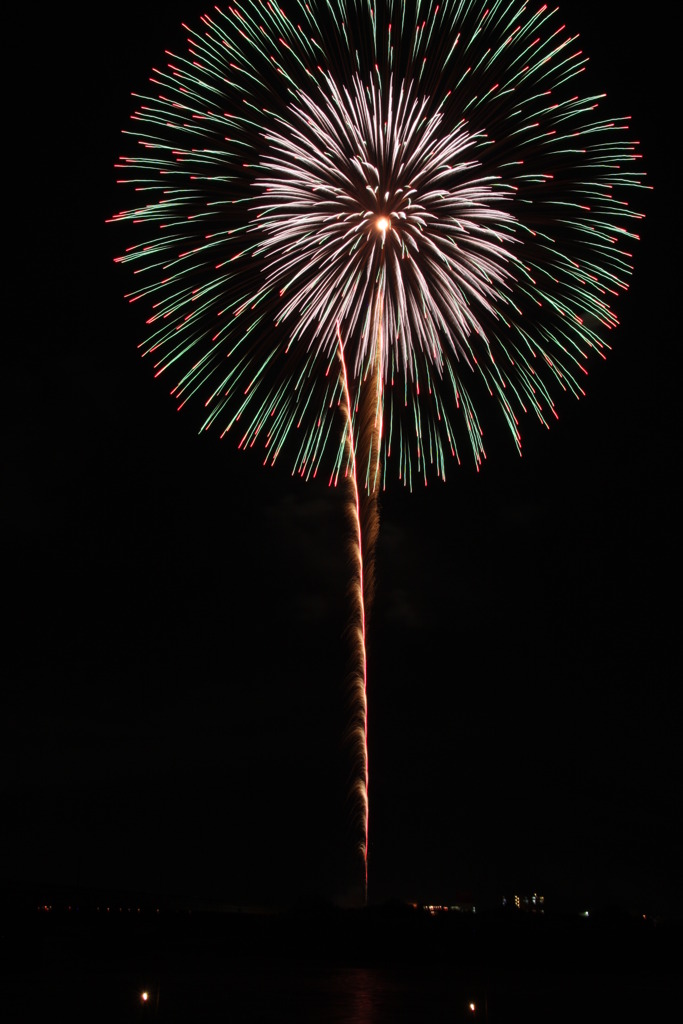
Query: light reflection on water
373	996
317	994
249	992
310	994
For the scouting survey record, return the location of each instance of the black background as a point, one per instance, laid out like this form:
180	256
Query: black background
175	613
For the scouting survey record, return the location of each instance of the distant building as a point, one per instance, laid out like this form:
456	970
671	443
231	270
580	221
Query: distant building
533	904
442	908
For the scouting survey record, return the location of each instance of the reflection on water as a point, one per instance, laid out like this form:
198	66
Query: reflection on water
373	996
315	994
249	993
235	991
362	984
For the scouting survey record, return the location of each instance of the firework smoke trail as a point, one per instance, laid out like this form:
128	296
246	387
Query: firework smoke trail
268	157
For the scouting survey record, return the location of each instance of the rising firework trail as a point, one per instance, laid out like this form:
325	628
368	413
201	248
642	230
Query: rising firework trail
358	728
361	228
363	447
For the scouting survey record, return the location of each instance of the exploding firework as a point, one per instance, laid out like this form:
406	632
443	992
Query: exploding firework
360	228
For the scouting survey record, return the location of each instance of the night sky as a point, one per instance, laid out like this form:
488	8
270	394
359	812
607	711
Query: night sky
175	687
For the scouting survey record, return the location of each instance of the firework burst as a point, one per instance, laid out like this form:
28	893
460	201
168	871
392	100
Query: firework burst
359	228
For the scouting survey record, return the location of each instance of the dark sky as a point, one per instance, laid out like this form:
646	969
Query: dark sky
175	702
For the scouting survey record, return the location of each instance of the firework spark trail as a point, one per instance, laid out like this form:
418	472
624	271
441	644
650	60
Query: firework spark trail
361	439
369	399
358	680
